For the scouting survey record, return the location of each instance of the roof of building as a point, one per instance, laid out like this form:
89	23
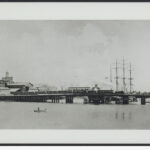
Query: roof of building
14	90
79	87
19	84
4	88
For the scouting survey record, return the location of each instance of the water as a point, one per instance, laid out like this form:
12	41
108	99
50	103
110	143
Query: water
19	115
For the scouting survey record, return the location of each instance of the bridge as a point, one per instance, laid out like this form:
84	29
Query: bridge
88	97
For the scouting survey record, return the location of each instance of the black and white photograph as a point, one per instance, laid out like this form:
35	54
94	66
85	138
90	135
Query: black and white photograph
75	74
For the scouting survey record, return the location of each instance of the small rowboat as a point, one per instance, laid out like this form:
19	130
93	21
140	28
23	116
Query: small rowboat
39	110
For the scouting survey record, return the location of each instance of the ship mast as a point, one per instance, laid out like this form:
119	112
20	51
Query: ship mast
123	79
110	74
117	84
130	78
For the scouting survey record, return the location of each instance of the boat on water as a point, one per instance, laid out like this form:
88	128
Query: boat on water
40	110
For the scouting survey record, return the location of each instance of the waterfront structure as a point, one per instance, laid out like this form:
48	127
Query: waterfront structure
19	85
7	78
96	88
73	89
25	92
7	85
2	83
4	91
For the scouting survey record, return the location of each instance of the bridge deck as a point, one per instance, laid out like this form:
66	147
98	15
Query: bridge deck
97	98
86	94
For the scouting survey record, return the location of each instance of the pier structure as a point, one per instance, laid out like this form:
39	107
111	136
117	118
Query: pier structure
69	99
143	100
54	99
95	98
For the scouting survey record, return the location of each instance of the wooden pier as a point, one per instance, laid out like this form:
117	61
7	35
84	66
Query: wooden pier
95	98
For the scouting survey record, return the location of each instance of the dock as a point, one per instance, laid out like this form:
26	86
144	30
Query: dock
95	98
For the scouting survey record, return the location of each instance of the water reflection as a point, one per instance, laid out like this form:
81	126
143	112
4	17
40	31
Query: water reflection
123	115
130	115
116	115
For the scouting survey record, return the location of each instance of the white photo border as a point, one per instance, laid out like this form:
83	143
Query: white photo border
74	11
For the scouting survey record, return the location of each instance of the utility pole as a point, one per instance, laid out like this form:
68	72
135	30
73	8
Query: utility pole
123	78
130	78
117	84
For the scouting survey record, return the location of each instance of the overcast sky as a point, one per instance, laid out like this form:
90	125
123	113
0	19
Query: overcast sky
74	53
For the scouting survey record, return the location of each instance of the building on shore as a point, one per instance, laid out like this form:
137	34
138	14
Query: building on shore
4	91
7	78
75	89
19	85
7	85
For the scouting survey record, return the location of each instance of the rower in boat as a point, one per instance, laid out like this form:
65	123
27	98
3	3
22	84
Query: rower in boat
38	110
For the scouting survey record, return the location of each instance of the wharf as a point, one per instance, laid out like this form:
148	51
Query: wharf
96	98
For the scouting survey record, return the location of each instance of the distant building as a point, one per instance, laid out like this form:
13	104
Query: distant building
8	83
45	87
2	83
33	90
4	91
8	86
79	88
7	78
25	86
96	88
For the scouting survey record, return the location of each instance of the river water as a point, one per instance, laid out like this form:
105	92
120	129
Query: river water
21	115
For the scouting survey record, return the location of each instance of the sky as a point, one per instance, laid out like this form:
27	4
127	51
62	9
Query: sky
75	53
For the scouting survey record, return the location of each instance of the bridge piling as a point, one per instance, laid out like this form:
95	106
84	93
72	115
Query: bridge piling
53	101
143	101
125	100
107	100
117	101
58	99
69	99
85	101
90	100
101	100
